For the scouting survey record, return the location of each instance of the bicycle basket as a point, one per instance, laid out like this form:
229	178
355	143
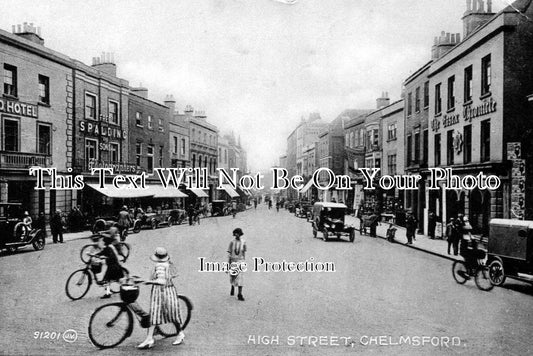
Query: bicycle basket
96	267
129	294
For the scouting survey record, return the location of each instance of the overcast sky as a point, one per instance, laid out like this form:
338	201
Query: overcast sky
254	66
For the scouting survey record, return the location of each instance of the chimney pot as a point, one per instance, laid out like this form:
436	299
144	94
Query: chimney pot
13	28
458	37
19	28
489	6
39	31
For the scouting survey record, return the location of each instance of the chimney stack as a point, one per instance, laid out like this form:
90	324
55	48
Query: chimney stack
105	63
140	91
29	32
383	101
171	103
475	15
444	43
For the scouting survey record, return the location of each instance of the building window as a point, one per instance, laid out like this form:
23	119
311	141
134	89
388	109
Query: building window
485	140
112	109
138	153
409	149
44	89
451	92
160	124
114	152
437	150
182	146
11	135
138	119
205	137
161	148
150	124
409	104
193	136
467	138
175	141
200	161
417	99
426	94
347	140
91	153
90	106
485	75
352	139
150	158
44	139
449	147
392	132
426	147
361	138
10	80
193	160
417	148
468	84
391	164
438	99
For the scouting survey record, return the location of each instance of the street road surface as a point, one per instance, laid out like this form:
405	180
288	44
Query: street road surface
381	299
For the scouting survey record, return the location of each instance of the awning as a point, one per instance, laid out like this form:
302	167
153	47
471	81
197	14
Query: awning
231	192
199	192
113	192
170	192
247	191
306	187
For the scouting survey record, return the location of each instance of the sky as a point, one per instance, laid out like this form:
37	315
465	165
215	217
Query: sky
254	66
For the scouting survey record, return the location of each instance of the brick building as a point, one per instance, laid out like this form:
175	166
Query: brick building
178	137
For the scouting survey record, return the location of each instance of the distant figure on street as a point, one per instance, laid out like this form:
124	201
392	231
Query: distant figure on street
410	225
236	256
124	222
190	213
432	224
270	204
452	234
56	227
255	203
41	223
374	221
277	206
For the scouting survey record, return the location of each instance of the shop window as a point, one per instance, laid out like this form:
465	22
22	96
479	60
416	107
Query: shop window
451	92
91	153
449	147
467	138
486	73
161	148
417	99
114	152
90	106
11	135
44	139
426	94
138	153
150	124
44	89
485	140
10	80
138	119
150	158
113	112
468	84
438	99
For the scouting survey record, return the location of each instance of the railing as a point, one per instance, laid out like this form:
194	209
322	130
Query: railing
24	160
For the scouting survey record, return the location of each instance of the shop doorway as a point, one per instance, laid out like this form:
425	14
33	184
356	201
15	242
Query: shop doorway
480	211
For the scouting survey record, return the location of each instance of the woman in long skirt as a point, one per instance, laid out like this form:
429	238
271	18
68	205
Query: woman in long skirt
164	306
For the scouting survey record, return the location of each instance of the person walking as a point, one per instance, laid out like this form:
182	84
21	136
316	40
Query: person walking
56	227
410	225
255	203
236	256
164	305
190	213
432	224
40	223
451	235
124	222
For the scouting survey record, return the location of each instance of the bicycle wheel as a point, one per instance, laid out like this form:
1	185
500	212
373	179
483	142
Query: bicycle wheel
110	324
483	279
86	250
78	284
185	309
459	272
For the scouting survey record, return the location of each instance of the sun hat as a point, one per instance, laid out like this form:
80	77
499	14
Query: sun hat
160	255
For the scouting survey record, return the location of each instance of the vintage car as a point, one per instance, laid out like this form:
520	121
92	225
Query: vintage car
303	210
328	219
151	220
219	208
510	250
14	234
103	223
175	216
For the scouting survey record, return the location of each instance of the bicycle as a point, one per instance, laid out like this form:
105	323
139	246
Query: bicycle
79	282
461	273
122	248
113	323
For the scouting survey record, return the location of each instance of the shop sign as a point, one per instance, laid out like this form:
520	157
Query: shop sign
469	112
99	130
518	181
117	167
18	108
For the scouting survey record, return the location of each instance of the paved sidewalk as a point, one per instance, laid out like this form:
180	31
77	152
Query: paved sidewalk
422	242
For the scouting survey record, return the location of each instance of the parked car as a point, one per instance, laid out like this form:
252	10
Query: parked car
328	219
14	234
147	219
303	210
510	250
219	208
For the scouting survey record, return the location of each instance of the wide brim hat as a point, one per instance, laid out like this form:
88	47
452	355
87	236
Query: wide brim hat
160	255
238	231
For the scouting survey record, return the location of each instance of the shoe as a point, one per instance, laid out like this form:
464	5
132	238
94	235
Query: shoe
240	297
105	296
146	344
179	338
232	292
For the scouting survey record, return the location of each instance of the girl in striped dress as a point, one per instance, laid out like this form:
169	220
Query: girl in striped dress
164	306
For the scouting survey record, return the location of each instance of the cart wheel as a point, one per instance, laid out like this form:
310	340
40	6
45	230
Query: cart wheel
325	235
352	236
460	274
483	279
496	272
39	242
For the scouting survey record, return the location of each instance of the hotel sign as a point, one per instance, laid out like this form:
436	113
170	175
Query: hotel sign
469	112
18	108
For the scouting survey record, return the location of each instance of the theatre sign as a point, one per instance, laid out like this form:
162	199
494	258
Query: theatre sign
469	112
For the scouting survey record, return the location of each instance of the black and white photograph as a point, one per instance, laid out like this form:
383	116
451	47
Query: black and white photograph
266	177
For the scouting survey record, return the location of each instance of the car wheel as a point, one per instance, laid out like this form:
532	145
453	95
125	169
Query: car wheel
352	236
38	243
496	272
153	224
325	235
170	221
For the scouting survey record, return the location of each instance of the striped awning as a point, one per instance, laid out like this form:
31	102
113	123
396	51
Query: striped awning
169	192
200	193
231	192
306	187
112	192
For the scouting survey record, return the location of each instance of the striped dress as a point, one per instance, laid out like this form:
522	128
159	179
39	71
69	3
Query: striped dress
164	306
236	253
